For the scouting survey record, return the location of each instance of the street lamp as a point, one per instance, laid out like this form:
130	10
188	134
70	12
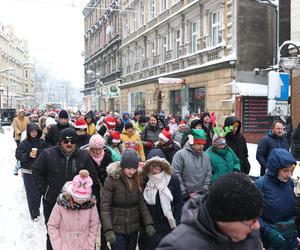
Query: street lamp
1	92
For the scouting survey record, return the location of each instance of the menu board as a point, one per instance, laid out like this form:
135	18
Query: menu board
255	118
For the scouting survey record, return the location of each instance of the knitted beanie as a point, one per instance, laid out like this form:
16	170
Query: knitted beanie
63	114
130	159
82	187
96	141
80	123
234	197
68	133
218	140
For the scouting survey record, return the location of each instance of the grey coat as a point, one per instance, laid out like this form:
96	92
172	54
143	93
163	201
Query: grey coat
198	231
193	171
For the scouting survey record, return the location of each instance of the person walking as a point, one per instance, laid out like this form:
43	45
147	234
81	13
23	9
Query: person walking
278	229
27	152
74	220
192	165
123	208
224	218
90	119
81	127
57	165
275	139
163	197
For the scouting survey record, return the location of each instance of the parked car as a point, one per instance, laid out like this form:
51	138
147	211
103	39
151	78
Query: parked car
7	116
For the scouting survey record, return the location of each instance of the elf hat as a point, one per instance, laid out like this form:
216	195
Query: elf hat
165	135
80	123
197	137
82	187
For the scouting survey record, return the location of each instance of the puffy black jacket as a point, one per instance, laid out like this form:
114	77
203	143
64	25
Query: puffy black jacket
52	169
52	137
198	231
238	144
24	149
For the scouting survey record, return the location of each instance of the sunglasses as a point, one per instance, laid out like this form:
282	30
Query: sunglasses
66	141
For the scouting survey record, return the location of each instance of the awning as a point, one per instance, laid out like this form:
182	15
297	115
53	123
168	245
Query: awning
250	89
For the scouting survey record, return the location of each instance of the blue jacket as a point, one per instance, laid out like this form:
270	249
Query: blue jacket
267	144
279	197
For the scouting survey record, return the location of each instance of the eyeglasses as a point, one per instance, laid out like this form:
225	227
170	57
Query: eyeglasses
97	149
250	226
66	141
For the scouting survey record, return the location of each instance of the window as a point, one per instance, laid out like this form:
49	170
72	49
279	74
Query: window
195	34
137	101
197	100
215	26
164	5
175	102
152	9
133	22
178	36
26	74
153	49
142	14
165	47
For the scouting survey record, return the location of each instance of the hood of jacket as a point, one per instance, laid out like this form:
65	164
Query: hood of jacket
125	120
188	147
114	170
279	158
158	161
33	126
19	111
229	121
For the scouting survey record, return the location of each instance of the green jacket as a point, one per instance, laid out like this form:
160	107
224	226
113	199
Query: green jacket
222	162
139	128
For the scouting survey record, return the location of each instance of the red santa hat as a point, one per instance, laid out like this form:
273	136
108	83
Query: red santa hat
80	123
182	124
165	135
110	122
116	137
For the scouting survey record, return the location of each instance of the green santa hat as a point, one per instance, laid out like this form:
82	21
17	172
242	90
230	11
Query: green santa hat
197	136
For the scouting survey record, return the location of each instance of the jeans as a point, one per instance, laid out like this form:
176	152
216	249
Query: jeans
125	242
33	196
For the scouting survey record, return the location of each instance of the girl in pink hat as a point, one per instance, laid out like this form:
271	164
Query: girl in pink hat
74	221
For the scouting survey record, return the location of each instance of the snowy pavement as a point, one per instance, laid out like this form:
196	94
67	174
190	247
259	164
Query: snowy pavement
17	231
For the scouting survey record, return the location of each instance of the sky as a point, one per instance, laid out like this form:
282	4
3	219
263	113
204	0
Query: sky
54	31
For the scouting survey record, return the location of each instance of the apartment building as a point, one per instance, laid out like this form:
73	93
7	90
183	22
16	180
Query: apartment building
212	45
102	62
16	71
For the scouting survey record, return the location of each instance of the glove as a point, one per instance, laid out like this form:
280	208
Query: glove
110	237
150	230
277	241
149	144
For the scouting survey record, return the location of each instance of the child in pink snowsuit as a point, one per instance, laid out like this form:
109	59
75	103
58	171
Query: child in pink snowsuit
74	221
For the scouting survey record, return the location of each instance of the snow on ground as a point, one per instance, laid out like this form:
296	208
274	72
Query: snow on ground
17	230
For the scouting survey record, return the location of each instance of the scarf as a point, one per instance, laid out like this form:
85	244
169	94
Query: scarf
159	183
97	157
64	200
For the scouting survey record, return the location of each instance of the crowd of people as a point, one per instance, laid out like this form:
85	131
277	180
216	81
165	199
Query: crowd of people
156	182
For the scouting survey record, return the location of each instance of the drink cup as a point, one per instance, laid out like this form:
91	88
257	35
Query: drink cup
34	151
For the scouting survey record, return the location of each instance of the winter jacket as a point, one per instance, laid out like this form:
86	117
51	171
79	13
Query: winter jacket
222	161
279	197
19	125
150	134
177	136
198	231
267	144
52	137
295	143
52	169
122	211
139	127
185	137
238	144
209	133
193	170
91	129
133	141
170	150
73	229
83	140
25	147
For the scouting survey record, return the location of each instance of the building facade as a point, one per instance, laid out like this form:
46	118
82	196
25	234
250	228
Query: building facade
16	71
212	45
102	62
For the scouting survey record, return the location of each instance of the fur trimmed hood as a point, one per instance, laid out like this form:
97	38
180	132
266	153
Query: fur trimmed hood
163	163
114	170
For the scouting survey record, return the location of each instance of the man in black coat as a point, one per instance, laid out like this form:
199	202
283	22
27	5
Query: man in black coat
275	139
52	136
225	218
57	165
237	142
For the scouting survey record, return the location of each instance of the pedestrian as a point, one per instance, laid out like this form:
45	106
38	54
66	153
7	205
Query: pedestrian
74	220
131	139
123	208
119	123
109	124
19	125
57	165
140	125
91	127
163	197
237	142
136	116
27	152
222	158
125	117
196	123
278	229
275	139
178	133
295	143
53	136
225	218
149	135
50	122
208	128
192	165
115	143
81	127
